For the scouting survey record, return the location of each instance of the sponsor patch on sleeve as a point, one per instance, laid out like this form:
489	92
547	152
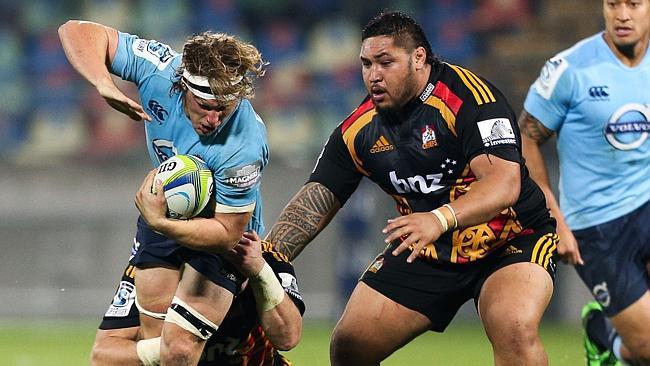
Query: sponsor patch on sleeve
243	177
290	284
548	78
496	131
153	51
122	301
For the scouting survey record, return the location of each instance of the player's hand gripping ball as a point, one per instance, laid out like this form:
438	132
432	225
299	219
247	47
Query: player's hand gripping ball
188	185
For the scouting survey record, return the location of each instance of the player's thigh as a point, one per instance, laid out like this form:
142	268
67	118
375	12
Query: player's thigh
210	299
513	299
373	323
156	286
632	324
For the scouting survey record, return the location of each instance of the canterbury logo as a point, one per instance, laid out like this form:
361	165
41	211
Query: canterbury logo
598	92
382	145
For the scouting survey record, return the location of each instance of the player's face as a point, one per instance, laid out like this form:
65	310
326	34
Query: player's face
206	114
388	73
627	22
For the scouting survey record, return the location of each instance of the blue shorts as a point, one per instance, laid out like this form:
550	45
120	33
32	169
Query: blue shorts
615	255
153	249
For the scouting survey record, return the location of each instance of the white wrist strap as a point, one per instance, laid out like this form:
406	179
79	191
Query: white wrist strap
454	219
149	351
442	219
267	289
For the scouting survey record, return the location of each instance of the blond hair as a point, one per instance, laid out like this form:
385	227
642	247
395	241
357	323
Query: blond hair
230	64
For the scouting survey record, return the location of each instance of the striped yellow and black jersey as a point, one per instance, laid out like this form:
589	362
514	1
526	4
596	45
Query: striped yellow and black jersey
421	158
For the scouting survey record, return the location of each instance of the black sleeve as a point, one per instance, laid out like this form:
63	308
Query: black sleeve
335	169
286	274
490	128
122	312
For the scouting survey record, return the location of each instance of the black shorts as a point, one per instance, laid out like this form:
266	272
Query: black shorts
439	289
615	255
153	249
122	312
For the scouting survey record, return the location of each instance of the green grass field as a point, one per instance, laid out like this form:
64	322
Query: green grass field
67	343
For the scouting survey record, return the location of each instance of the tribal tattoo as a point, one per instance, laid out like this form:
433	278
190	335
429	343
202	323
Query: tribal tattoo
533	128
308	212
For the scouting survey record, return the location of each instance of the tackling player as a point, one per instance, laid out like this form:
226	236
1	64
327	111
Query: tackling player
262	319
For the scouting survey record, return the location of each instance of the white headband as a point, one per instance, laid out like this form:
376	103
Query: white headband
200	86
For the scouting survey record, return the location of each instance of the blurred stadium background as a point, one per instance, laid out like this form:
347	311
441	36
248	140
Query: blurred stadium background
71	165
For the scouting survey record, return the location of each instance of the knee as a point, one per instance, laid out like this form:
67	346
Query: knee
341	344
346	348
517	338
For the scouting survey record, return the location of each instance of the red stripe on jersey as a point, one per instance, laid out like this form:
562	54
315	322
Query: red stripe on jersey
445	94
363	108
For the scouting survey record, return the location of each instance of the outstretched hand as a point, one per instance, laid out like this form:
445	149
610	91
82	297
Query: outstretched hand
120	102
419	229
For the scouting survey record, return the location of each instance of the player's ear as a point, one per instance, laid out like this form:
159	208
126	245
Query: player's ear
419	57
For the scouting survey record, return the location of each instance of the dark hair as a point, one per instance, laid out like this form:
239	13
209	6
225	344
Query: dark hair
404	30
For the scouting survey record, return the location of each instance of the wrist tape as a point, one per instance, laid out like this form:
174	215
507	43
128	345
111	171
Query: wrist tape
267	289
149	351
447	217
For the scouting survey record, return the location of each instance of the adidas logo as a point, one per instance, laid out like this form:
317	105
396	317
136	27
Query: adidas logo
381	145
511	250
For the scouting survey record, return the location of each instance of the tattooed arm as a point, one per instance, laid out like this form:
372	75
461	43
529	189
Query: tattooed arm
534	134
308	212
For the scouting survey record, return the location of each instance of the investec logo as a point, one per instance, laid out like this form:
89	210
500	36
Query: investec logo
416	183
381	145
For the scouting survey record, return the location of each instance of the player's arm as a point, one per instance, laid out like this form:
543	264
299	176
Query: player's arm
217	234
313	207
277	313
306	215
115	347
90	48
533	135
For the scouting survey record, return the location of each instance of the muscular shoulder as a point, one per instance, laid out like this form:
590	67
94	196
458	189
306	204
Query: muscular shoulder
147	63
466	85
154	52
584	53
569	63
464	97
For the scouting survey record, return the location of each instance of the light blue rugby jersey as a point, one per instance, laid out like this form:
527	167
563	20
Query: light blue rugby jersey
600	109
236	153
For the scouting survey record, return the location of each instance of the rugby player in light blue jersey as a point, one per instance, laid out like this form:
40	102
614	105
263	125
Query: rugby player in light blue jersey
596	97
196	102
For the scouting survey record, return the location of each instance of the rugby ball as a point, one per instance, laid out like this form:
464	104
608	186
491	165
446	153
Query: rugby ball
188	185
